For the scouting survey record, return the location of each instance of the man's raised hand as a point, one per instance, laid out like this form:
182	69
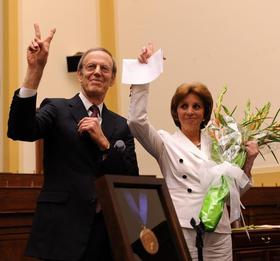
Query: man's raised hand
38	50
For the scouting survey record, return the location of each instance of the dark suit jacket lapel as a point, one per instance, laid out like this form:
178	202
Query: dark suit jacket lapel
77	108
78	111
108	122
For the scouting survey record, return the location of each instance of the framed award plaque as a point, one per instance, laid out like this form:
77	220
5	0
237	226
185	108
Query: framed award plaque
141	219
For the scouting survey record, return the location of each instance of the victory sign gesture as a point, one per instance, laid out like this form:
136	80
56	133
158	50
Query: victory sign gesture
37	55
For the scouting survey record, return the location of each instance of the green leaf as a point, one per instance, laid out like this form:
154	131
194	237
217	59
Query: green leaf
274	119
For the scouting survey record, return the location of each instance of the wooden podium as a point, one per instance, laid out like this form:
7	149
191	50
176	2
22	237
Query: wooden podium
128	204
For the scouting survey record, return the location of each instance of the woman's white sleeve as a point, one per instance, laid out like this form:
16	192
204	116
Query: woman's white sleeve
138	122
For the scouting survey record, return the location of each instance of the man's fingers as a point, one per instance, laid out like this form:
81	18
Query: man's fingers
88	121
33	46
50	36
37	31
38	34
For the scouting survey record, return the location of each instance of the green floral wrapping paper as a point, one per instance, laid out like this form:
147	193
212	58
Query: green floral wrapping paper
221	183
213	205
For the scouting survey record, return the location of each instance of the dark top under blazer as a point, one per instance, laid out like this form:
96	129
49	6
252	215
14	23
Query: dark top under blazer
65	208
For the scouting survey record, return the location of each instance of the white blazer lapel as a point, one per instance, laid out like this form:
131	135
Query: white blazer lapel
186	144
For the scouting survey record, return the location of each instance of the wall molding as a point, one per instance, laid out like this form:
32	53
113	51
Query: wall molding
108	41
10	80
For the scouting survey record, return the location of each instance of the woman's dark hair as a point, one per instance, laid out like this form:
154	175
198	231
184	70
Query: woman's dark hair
198	89
80	64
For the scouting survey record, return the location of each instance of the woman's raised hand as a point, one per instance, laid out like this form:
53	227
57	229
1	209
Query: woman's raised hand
146	53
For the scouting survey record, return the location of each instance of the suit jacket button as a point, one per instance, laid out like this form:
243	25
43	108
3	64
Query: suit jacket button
184	176
189	190
181	160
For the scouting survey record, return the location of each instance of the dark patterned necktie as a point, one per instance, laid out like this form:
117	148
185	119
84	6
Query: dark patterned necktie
94	111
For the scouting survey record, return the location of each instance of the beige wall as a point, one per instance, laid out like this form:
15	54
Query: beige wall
216	42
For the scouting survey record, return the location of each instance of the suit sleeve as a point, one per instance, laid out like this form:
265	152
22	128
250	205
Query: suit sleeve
25	122
21	123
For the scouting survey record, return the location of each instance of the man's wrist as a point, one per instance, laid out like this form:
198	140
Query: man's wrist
106	147
33	77
26	92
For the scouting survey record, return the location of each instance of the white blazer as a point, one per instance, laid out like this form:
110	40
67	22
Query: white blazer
179	160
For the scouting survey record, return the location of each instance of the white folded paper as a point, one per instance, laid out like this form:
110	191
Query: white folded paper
134	72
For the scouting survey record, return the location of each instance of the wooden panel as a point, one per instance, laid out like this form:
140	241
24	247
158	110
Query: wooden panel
18	196
258	238
12	249
250	255
18	200
274	255
20	180
13	239
264	244
259	196
262	206
39	147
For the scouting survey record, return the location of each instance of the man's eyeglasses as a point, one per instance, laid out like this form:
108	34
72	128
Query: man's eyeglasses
91	67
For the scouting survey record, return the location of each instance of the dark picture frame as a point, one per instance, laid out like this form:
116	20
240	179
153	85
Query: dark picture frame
132	205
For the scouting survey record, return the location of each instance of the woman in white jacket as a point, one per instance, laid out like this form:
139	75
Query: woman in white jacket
180	156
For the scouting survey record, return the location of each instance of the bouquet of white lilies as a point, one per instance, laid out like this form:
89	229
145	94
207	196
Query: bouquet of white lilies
229	154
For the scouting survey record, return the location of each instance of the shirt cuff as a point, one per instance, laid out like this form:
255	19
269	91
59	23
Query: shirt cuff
26	92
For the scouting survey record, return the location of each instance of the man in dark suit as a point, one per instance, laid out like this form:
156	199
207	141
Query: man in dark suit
78	148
